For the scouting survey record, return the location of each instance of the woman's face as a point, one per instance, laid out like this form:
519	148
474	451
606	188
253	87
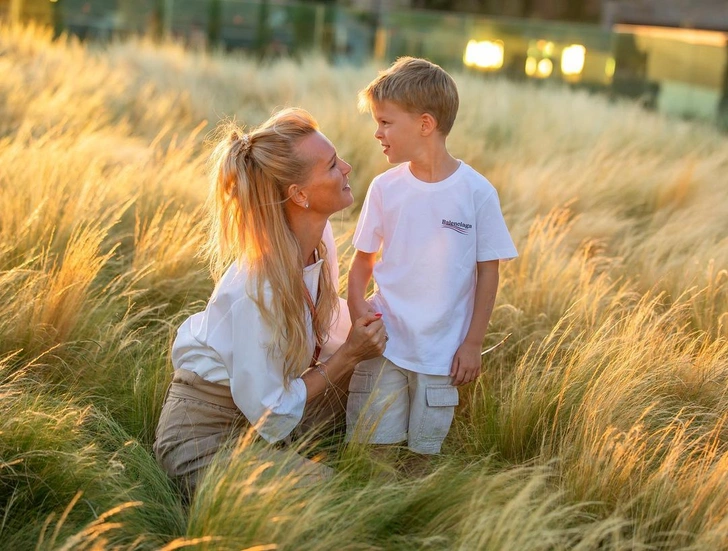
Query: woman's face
327	187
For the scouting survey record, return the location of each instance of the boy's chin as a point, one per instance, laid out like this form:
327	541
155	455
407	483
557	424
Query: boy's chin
395	159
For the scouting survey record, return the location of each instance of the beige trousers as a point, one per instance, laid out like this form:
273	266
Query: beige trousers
199	417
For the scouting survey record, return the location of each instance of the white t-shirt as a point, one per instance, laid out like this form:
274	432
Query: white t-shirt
431	235
227	343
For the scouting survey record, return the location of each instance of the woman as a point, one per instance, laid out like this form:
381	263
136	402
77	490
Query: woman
271	348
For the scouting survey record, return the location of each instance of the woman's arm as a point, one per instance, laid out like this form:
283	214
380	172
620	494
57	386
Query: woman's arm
366	340
256	374
257	381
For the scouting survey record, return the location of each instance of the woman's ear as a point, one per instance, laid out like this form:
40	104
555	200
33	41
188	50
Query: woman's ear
298	195
428	124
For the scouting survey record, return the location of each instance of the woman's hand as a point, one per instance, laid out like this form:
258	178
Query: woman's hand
367	338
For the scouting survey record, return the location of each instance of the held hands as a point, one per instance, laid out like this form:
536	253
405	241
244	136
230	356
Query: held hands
359	308
367	338
466	364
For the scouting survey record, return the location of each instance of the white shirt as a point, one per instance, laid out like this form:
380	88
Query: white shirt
228	343
432	236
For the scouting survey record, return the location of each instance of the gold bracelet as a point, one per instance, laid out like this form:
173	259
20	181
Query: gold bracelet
319	366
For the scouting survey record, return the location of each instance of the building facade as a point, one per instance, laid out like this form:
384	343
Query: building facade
689	14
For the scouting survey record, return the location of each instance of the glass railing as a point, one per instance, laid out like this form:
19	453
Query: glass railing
689	69
676	71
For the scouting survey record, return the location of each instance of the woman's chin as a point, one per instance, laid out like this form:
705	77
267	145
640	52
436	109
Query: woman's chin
349	200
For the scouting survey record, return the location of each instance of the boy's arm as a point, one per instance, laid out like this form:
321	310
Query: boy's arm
360	272
466	363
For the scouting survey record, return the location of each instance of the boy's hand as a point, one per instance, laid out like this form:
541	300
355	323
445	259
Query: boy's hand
466	364
359	308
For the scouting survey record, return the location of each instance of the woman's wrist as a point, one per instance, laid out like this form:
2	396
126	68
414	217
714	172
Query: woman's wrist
322	368
347	356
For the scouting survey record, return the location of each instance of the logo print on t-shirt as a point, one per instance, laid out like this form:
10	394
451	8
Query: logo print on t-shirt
460	227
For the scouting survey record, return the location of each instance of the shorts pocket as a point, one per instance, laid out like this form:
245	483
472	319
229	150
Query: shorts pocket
437	417
442	396
360	388
361	381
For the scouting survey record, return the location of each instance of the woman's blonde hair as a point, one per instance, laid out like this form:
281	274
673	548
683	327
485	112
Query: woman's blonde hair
251	174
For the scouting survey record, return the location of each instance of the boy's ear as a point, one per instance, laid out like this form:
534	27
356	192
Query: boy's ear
428	124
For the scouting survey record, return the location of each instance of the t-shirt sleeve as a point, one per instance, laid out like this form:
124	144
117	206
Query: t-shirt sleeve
494	240
256	375
368	233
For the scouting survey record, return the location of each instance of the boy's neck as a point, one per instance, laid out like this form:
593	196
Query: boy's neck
433	165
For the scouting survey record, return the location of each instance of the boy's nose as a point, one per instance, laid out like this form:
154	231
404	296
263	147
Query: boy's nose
378	133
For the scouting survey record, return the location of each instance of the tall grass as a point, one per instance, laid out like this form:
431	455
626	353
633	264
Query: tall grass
601	424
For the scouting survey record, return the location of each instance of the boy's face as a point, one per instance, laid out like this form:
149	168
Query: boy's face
398	131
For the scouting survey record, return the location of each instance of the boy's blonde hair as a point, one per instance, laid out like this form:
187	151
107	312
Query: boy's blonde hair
251	173
417	86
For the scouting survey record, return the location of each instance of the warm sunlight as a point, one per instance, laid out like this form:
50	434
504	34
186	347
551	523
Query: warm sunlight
598	420
484	55
572	59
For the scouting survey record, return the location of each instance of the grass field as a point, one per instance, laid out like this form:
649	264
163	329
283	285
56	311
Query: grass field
601	424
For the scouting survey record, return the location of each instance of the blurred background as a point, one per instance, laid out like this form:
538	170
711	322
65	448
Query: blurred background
669	55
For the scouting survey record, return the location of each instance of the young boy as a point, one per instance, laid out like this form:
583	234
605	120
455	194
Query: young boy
442	234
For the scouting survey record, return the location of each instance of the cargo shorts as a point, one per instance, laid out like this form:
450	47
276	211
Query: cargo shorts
388	405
